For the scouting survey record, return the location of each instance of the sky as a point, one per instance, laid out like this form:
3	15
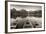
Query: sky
26	7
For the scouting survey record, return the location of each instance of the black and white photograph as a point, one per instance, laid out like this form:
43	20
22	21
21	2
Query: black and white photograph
25	16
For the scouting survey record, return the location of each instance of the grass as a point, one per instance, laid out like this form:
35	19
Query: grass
35	22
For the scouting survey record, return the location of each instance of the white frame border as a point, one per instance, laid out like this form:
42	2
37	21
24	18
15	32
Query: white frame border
29	29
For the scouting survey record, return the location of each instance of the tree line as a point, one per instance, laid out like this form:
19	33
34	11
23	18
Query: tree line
23	13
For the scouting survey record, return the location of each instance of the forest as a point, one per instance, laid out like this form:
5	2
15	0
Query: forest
23	13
